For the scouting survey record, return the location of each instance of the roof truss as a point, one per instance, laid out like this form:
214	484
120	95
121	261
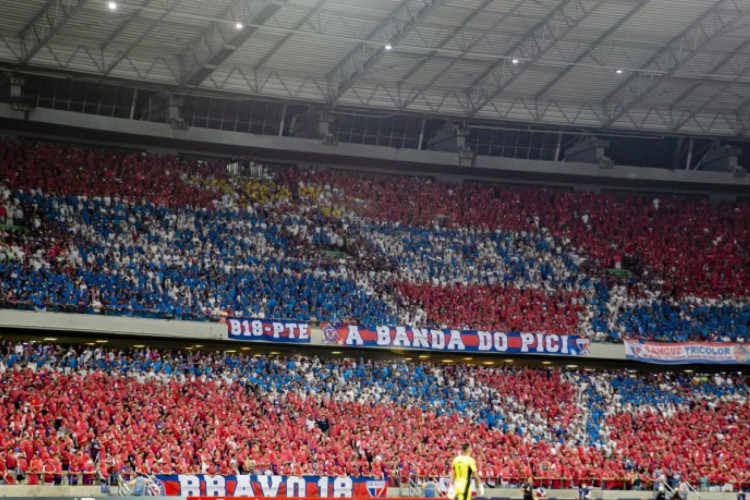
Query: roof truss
595	45
417	92
46	24
706	65
125	23
151	27
528	50
674	55
392	29
221	38
472	15
312	12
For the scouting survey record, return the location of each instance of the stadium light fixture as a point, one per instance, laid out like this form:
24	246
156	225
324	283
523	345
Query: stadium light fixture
90	343
245	348
230	351
274	353
688	371
572	367
618	71
447	361
112	6
388	46
546	362
510	360
407	359
468	358
239	26
488	363
515	61
139	346
101	341
424	356
335	352
50	339
198	346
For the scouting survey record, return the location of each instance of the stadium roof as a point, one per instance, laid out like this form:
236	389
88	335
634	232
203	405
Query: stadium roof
679	66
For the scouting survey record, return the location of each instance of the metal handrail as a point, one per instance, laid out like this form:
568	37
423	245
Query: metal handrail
694	490
412	488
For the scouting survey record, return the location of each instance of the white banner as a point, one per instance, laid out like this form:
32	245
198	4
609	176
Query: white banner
687	352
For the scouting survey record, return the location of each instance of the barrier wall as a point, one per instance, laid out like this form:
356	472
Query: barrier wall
184	330
94	493
22	491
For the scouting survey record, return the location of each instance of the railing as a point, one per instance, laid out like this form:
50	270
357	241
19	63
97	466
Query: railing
554	482
129	312
643	483
85	478
693	493
150	487
666	486
23	305
409	485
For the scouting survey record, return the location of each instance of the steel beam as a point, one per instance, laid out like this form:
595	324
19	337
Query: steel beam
289	35
46	24
529	49
392	29
716	69
151	27
743	117
593	46
424	88
665	62
745	127
221	38
446	40
123	25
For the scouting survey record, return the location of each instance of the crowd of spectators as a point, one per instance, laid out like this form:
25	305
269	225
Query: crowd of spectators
90	412
118	232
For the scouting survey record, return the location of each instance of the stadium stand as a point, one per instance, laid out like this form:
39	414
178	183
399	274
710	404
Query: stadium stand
126	233
89	413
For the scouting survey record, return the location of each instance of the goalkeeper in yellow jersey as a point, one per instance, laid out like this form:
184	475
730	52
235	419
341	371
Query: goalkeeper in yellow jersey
463	470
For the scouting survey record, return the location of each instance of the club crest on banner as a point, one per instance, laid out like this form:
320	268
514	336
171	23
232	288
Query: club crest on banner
583	346
687	352
376	488
636	350
742	354
330	335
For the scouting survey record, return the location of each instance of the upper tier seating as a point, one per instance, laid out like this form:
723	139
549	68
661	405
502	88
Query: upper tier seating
129	233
